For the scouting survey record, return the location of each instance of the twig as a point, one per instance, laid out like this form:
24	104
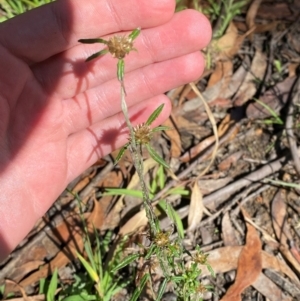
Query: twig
185	172
215	199
294	100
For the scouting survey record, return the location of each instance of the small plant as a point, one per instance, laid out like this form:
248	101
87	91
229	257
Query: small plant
276	119
143	135
169	252
224	10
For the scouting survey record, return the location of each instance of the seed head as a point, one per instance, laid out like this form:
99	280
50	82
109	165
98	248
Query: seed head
162	239
120	46
142	133
200	257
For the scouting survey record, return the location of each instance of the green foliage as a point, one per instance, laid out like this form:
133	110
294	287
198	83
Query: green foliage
223	10
169	252
50	296
231	9
275	117
173	216
12	8
139	289
142	135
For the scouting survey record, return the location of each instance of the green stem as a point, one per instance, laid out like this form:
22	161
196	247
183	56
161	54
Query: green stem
137	157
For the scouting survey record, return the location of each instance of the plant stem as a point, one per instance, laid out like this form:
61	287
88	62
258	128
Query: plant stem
137	157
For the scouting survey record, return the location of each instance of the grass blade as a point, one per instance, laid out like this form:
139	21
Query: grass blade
88	268
129	259
139	289
52	287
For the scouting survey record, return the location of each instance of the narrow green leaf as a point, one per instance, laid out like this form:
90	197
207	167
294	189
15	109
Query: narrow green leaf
52	286
134	34
95	55
156	156
79	298
174	216
161	177
121	153
88	268
124	191
89	252
179	190
154	115
98	254
150	251
270	110
161	128
129	259
92	41
42	285
212	272
162	289
120	71
139	289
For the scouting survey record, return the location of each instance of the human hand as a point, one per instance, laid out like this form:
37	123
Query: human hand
59	114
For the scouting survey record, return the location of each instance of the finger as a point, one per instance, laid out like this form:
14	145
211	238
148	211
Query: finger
100	139
104	101
53	28
187	31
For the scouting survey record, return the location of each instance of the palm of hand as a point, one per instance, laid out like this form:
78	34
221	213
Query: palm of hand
55	108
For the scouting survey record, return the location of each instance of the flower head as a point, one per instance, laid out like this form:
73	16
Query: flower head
120	46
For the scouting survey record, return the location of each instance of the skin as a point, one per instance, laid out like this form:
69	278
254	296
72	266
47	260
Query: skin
59	114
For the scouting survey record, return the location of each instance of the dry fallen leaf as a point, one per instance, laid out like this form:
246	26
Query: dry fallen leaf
196	208
275	98
270	290
256	72
228	231
251	14
225	259
279	215
175	139
249	265
222	72
137	221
